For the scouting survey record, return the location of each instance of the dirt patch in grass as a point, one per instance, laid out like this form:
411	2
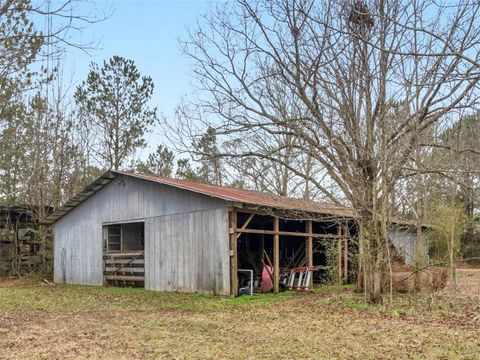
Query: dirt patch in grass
58	322
15	282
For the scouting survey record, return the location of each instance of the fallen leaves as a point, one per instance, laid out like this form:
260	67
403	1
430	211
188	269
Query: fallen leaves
57	322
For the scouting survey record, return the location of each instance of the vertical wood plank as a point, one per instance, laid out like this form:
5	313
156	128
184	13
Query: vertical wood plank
161	245
157	254
146	250
192	259
181	239
223	231
345	255
199	254
339	257
211	251
276	255
167	233
232	216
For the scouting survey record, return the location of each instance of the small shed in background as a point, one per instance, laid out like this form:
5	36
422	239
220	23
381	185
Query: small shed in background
23	240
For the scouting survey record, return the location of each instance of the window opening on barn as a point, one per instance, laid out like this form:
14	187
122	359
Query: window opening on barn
124	237
114	237
124	263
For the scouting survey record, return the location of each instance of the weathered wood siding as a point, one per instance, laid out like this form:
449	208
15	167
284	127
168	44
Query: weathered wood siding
405	241
195	261
186	236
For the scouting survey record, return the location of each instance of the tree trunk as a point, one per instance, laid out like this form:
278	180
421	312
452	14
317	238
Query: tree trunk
453	273
373	259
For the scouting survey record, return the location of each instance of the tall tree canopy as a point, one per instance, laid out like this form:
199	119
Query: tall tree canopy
114	111
36	139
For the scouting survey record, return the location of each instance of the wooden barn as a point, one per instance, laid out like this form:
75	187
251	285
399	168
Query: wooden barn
173	235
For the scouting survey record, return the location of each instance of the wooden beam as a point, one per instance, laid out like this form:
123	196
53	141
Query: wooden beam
116	269
124	277
244	226
276	255
124	261
309	249
345	255
232	219
253	211
111	254
285	233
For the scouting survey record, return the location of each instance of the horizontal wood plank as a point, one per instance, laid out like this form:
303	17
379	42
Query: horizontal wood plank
285	233
124	277
123	253
125	269
124	261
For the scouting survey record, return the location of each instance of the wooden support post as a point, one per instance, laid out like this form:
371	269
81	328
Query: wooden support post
262	245
309	249
345	254
262	239
232	220
276	255
309	252
339	257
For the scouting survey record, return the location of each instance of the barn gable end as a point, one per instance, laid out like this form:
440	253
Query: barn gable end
186	236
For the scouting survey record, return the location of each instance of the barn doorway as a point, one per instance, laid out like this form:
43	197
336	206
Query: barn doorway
123	255
306	251
255	252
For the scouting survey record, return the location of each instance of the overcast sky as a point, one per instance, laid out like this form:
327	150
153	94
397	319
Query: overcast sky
147	32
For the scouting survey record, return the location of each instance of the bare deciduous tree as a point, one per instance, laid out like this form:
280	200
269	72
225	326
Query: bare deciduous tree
365	79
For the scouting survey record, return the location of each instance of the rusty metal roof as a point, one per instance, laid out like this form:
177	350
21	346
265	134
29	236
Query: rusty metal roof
260	199
248	197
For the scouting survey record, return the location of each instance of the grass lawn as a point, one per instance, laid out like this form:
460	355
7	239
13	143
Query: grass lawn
60	321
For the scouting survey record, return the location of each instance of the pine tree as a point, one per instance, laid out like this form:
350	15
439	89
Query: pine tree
113	108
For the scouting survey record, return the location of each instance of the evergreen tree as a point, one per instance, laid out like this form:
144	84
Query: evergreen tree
158	163
113	108
186	172
210	169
